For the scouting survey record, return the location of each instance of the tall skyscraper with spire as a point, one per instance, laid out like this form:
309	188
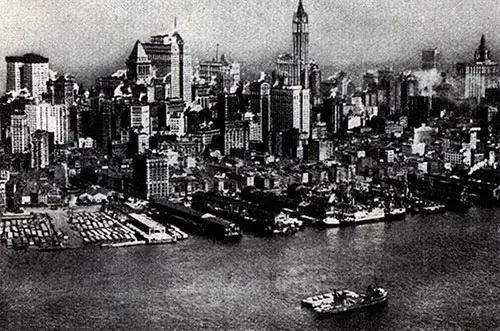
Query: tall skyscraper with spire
301	43
479	75
290	95
293	69
482	54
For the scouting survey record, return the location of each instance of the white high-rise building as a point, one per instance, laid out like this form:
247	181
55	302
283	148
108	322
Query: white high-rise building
15	72
140	117
290	109
40	149
51	118
226	73
30	71
19	133
165	57
480	75
177	123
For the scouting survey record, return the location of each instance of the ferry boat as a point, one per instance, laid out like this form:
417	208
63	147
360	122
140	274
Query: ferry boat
338	217
362	216
341	301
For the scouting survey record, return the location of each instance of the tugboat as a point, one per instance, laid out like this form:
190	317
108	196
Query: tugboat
395	213
432	208
332	218
426	207
394	210
342	301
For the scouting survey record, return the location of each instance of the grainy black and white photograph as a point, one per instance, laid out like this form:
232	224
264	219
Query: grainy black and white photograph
249	165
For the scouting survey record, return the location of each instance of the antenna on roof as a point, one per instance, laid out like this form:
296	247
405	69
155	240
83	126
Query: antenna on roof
217	52
175	23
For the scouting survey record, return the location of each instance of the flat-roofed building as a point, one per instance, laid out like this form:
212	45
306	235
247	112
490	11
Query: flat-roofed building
151	230
40	149
30	71
290	109
51	118
19	132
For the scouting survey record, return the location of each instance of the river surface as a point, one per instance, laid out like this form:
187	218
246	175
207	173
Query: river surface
442	273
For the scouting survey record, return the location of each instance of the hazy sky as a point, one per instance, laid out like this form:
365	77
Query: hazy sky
90	37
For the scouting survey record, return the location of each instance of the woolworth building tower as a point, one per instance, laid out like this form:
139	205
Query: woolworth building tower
301	43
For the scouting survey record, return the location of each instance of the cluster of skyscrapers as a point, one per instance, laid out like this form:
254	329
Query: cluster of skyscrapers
43	117
161	111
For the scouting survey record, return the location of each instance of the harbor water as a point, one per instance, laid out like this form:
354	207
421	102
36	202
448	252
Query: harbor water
442	273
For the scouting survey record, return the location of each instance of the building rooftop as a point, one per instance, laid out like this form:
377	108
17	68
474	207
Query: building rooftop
27	58
147	221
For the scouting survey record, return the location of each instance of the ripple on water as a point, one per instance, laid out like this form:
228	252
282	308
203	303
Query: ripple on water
442	273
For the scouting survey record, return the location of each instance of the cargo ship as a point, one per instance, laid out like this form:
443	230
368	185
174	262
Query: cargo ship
342	301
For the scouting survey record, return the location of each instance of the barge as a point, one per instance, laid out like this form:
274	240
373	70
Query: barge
342	301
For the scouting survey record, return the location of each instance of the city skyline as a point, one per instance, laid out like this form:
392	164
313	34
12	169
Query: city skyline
254	184
90	39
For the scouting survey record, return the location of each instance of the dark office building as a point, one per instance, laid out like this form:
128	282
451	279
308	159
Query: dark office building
61	91
315	85
430	59
260	106
418	110
332	114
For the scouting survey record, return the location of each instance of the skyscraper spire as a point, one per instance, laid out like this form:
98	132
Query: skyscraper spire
300	9
301	45
482	53
300	15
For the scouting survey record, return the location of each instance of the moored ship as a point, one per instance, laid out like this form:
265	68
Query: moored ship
341	301
332	218
426	207
362	216
354	216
